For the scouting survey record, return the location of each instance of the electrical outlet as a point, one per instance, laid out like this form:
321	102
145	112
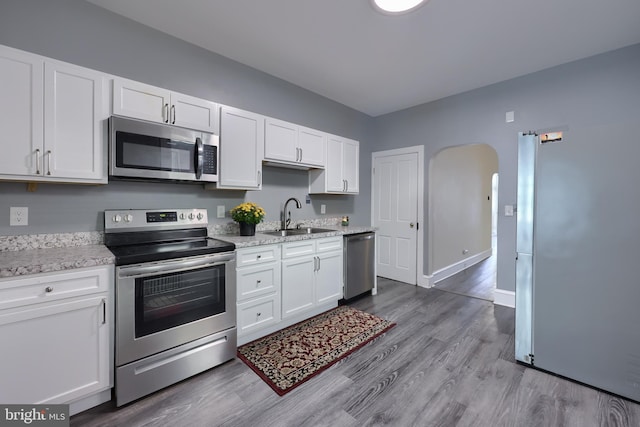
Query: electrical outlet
221	211
323	209
18	216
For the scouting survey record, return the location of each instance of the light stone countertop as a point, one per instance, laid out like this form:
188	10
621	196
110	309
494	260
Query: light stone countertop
266	239
32	254
32	261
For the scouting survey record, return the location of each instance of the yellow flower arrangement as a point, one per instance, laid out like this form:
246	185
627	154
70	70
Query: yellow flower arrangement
248	212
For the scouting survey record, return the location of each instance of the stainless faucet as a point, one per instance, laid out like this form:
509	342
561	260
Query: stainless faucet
287	220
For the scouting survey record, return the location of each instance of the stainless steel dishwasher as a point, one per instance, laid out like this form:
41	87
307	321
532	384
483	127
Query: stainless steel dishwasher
359	263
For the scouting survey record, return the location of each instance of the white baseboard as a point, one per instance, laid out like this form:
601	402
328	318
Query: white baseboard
505	298
425	281
449	271
89	402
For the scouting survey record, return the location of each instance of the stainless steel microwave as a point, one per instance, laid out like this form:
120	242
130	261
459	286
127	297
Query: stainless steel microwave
146	150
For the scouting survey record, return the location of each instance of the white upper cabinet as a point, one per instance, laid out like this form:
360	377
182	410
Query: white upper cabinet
342	171
292	145
21	112
53	120
241	150
74	122
146	102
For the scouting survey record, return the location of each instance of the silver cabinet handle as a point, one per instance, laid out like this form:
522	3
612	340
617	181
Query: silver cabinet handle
411	225
37	161
346	185
173	113
104	311
301	154
319	263
48	162
165	113
259	178
48	289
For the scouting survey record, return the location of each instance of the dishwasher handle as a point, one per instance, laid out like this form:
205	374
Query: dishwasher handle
362	237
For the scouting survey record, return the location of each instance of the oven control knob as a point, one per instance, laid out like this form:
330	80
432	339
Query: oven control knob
200	216
128	218
183	216
117	218
191	216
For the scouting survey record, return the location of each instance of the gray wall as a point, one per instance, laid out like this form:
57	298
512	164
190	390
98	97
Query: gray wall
602	92
81	33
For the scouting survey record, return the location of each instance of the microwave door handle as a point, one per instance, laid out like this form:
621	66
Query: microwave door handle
199	157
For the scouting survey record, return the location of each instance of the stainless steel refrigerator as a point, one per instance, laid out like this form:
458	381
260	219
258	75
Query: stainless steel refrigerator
578	264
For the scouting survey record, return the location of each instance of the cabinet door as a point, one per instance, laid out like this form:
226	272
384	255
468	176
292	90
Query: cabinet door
281	141
141	101
312	145
21	115
297	285
335	159
75	123
59	351
329	277
351	163
193	113
241	145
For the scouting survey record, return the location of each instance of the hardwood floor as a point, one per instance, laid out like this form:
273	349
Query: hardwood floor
478	281
448	362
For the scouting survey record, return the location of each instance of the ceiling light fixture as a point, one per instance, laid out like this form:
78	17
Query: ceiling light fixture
396	7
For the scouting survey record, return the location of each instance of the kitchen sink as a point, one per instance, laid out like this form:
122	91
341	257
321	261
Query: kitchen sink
297	231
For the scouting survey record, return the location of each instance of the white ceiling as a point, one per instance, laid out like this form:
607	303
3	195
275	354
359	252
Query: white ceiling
375	63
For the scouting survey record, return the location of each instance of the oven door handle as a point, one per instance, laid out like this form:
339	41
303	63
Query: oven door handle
175	265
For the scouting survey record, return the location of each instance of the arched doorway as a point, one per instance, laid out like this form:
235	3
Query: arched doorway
462	214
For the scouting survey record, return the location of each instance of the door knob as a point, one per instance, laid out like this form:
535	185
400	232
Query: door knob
411	225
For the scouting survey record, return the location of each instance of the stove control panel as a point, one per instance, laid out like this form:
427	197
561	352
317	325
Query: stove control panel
139	219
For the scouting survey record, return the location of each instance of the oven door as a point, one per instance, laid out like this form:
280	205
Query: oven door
161	305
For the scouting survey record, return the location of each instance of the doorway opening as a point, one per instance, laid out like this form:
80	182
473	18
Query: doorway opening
463	200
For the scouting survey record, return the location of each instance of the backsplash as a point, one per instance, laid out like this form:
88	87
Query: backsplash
61	240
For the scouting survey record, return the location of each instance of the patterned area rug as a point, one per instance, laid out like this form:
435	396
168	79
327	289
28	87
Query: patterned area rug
287	358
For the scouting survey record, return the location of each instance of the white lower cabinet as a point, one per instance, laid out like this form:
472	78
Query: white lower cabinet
258	290
311	274
279	285
57	332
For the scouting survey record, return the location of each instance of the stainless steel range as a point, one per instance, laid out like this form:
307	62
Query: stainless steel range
175	298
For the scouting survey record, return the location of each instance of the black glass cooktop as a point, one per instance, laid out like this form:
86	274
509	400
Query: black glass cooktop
128	251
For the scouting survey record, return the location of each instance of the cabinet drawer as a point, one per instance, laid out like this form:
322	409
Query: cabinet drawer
293	249
258	313
257	255
329	244
37	288
258	280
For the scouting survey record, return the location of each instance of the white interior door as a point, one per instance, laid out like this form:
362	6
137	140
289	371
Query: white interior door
395	214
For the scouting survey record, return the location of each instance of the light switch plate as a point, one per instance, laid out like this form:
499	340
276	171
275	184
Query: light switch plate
508	210
18	216
510	117
221	211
